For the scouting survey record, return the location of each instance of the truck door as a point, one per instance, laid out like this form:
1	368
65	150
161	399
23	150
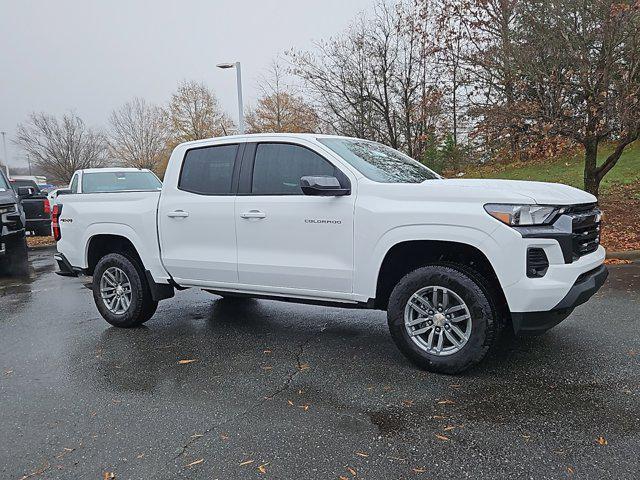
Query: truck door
288	240
196	217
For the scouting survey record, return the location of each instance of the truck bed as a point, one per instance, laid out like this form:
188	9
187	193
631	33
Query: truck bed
130	214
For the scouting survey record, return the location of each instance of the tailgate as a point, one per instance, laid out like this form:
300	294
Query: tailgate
34	208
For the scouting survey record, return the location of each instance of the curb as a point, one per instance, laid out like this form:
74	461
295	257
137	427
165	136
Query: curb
42	247
633	255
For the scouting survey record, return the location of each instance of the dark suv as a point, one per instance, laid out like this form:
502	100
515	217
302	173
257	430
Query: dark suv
13	245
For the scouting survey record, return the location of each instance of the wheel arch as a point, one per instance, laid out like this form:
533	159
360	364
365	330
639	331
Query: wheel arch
407	255
102	244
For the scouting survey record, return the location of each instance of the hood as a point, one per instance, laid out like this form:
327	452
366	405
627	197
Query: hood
7	196
542	193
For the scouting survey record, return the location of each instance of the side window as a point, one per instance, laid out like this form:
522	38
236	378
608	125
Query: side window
278	168
208	170
74	184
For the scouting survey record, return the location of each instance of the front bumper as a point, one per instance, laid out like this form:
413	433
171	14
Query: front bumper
585	286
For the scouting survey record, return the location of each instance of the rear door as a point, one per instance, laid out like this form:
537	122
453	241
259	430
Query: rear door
196	217
288	240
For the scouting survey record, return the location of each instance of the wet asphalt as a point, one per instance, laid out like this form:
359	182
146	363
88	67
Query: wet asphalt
277	390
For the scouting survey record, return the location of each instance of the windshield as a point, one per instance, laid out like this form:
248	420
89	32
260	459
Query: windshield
3	183
378	162
100	182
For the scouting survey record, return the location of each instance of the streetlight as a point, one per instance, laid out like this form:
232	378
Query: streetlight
236	65
6	158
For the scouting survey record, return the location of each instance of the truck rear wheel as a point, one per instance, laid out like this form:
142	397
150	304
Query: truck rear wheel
442	319
121	291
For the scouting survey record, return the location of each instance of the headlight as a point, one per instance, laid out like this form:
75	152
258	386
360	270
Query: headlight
523	215
7	209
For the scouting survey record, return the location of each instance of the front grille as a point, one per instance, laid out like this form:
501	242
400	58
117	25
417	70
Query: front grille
585	220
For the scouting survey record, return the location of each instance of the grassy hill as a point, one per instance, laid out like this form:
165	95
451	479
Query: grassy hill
568	170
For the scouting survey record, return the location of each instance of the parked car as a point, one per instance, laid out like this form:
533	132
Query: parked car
343	222
13	245
36	206
105	180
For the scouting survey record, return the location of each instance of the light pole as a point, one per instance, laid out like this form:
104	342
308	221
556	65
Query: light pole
236	65
4	146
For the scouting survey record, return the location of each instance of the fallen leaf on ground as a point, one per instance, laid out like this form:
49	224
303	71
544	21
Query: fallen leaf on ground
617	261
8	372
407	403
246	462
304	366
352	471
304	407
441	437
184	362
419	470
449	427
362	454
263	468
267	367
108	475
446	402
602	441
570	471
267	352
196	462
290	402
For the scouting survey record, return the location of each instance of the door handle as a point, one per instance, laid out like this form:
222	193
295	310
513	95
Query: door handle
178	214
253	214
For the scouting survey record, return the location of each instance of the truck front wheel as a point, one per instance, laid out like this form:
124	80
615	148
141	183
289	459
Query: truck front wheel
121	291
442	319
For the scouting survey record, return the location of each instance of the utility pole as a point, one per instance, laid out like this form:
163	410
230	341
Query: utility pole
6	157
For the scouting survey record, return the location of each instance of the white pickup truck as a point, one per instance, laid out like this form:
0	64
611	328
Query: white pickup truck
342	222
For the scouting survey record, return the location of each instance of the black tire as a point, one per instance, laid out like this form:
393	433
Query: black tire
485	316
16	261
142	306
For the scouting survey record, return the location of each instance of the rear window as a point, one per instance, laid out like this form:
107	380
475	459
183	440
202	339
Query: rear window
102	182
24	183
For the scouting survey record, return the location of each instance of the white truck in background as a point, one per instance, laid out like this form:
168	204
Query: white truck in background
346	222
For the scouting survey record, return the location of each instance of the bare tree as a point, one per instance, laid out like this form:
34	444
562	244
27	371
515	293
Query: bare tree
139	135
279	108
377	80
195	113
61	146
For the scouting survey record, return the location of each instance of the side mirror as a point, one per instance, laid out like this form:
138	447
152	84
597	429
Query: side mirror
323	186
26	191
64	191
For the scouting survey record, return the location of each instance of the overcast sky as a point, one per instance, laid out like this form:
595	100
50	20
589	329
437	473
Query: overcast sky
91	56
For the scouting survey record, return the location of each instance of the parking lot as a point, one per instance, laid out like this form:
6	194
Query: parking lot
215	388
